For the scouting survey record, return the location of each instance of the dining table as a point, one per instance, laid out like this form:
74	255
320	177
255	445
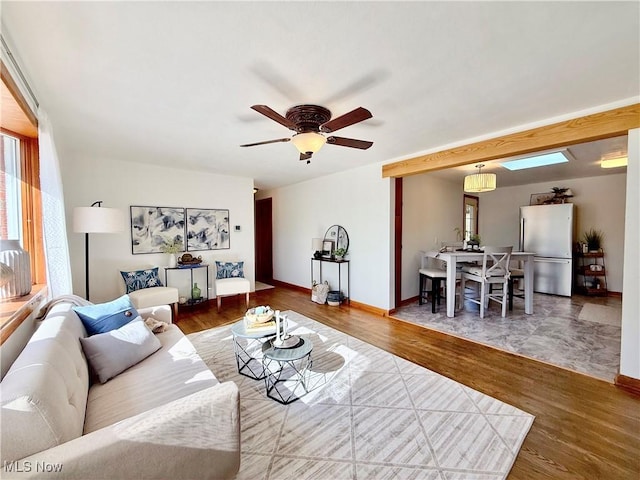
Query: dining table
452	258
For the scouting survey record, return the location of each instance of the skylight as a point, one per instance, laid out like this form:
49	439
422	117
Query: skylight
537	161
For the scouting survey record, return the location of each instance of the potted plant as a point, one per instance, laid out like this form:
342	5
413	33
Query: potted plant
172	247
339	253
474	241
594	239
561	194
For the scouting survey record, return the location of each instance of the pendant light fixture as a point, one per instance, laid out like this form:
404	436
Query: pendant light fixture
480	182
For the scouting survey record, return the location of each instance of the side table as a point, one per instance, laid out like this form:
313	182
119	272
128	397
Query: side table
247	347
191	268
285	369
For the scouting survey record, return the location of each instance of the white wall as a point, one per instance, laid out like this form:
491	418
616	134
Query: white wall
629	351
360	201
432	208
600	203
121	184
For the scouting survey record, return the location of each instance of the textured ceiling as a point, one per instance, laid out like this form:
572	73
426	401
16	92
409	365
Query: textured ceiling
171	83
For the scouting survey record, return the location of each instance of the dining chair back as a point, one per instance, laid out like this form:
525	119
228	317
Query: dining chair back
494	270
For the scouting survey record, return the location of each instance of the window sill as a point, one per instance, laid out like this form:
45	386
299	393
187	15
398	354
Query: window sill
14	311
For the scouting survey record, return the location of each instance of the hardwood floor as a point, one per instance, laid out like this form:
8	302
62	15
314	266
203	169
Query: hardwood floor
584	428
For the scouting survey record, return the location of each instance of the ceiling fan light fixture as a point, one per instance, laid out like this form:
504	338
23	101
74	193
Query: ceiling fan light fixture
308	142
480	182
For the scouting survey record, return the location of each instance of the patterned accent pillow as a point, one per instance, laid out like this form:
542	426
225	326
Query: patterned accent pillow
229	270
141	279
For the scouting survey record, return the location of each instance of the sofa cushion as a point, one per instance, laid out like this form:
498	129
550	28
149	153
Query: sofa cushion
229	270
174	371
44	393
138	279
104	317
111	353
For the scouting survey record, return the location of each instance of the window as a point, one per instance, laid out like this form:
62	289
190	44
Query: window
10	205
20	196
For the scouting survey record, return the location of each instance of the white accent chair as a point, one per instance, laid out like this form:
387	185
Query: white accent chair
152	296
494	270
232	285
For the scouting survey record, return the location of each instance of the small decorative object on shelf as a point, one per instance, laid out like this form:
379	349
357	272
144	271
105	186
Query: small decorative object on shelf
593	239
339	254
17	260
172	247
196	292
188	259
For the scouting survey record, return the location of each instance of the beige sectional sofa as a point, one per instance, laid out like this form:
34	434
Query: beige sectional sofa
165	417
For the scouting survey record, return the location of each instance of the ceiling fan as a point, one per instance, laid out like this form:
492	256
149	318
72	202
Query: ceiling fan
310	122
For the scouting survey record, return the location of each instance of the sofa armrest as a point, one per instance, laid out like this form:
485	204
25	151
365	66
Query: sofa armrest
161	312
197	436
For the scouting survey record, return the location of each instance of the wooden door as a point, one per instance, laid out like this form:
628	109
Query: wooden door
398	242
264	241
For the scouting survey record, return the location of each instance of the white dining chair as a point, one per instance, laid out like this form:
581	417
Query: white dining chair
494	270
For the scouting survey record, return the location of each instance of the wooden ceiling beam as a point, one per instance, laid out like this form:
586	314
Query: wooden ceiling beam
597	126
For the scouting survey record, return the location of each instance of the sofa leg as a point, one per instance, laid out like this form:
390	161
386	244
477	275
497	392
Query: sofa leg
219	299
174	312
247	300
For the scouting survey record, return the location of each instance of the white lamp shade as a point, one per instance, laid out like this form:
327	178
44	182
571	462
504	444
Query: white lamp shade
308	142
316	244
480	182
97	220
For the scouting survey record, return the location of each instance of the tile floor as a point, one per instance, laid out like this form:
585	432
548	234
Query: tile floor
556	333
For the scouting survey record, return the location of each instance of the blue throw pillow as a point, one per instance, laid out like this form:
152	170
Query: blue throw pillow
104	317
229	269
138	279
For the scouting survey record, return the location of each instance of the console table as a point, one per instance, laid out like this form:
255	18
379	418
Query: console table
340	263
190	269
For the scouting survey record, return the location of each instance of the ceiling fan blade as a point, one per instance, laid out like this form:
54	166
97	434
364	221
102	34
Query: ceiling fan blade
306	156
287	139
349	142
273	115
354	116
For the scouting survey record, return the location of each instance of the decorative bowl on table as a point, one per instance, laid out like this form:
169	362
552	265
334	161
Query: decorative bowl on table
259	314
188	259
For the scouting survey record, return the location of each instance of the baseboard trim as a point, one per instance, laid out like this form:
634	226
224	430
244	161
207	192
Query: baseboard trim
628	383
360	306
278	283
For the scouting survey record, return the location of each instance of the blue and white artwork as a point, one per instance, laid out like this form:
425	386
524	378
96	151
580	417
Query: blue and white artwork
207	229
153	227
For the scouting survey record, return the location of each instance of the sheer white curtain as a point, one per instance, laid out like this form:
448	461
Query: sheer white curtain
56	248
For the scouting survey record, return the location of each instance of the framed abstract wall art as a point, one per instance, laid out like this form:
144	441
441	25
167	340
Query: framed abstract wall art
207	229
153	227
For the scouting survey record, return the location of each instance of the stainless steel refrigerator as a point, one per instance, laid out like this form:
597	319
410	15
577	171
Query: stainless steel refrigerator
547	231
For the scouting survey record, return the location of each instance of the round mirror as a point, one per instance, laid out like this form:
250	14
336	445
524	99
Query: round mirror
338	235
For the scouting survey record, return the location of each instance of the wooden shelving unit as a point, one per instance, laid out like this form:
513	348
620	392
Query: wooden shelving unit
591	274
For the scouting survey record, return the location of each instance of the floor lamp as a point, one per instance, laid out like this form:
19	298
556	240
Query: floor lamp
95	219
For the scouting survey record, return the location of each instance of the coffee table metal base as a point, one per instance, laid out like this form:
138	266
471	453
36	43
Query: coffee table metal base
248	349
285	370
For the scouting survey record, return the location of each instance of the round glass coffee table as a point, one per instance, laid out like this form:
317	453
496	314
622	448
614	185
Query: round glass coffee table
285	370
247	346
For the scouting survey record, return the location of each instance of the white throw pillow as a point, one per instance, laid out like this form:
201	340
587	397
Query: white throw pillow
111	353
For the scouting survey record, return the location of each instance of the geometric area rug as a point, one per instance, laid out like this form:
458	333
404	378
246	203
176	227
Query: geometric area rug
368	414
